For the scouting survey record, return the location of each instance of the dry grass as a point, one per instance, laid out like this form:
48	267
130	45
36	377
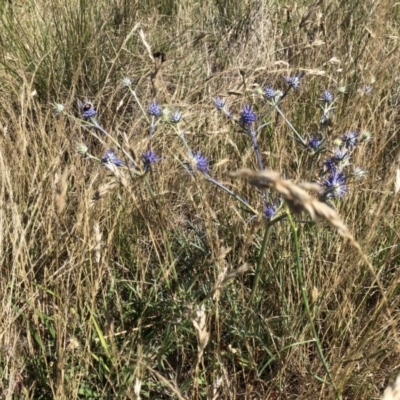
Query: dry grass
103	273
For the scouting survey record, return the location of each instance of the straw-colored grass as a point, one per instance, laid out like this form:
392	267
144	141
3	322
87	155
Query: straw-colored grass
160	285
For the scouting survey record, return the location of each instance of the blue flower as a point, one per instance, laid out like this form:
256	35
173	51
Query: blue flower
314	143
350	139
269	211
88	110
339	160
327	96
329	164
110	157
340	155
154	109
149	157
269	92
219	103
175	117
247	115
334	185
201	163
293	81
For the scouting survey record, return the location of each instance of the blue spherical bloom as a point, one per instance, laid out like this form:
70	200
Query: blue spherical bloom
339	160
88	110
149	157
219	103
327	96
175	117
350	139
341	155
334	185
314	143
330	164
154	109
247	115
201	163
269	92
110	157
293	81
269	211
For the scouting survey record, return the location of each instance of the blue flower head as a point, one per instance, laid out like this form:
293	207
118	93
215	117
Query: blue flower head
334	185
314	143
269	211
175	117
327	96
201	163
88	110
350	140
110	157
329	164
247	116
293	81
339	160
269	92
154	109
219	103
149	157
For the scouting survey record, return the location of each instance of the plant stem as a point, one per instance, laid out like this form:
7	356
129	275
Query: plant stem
304	295
133	92
224	188
299	138
260	263
256	150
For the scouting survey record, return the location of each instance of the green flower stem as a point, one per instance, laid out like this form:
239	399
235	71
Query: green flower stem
299	138
181	135
256	150
139	104
303	290
224	188
260	263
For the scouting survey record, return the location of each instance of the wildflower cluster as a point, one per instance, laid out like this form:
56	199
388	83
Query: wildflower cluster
334	169
334	173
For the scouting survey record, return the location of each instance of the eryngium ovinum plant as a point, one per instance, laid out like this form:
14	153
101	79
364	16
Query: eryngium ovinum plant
331	163
335	171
